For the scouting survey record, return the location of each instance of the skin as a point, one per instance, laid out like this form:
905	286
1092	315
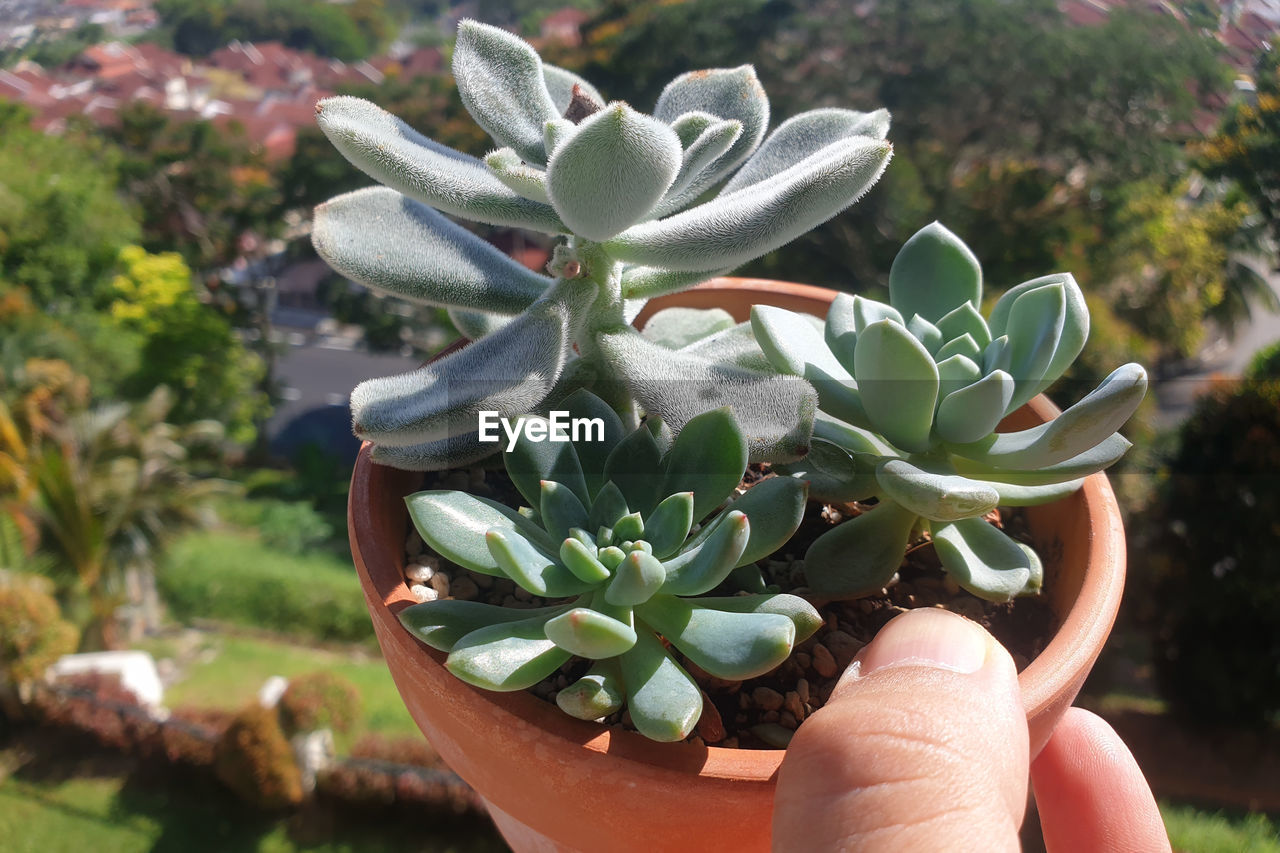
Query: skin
923	746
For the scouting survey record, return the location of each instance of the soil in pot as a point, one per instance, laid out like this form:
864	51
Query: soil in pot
760	713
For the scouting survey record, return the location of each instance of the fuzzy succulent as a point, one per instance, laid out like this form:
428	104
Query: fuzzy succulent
647	204
911	394
626	528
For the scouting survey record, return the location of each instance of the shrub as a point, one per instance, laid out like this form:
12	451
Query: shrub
97	705
401	750
290	526
254	760
319	700
1217	543
33	634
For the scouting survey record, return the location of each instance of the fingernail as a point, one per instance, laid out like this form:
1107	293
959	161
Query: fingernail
931	638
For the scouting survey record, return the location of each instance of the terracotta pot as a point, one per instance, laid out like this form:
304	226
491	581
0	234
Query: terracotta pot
556	783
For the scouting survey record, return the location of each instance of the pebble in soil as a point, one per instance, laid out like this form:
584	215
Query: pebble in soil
760	713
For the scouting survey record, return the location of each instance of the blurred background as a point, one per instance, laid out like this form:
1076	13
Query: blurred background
175	363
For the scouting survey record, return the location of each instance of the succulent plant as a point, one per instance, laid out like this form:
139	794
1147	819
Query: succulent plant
649	205
911	394
626	530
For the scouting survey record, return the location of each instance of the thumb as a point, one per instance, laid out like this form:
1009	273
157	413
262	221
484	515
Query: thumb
922	746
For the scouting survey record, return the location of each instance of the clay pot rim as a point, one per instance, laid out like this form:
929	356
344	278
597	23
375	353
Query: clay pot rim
1044	682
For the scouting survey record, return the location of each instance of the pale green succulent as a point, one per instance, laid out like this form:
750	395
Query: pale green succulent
621	525
649	205
910	395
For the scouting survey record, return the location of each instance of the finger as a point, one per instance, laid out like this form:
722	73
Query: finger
1090	792
922	746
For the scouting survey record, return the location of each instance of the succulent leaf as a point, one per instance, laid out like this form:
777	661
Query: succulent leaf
841	329
452	452
762	217
802	614
867	311
530	462
506	656
441	624
454	524
1015	495
580	558
985	561
925	332
728	645
510	372
560	509
500	79
774	508
597	694
933	274
707	459
1036	321
664	701
590	634
612	171
793	345
1075	327
647	282
635	580
474	325
803	135
529	563
861	555
832	474
1101	455
703	566
965	320
630	467
1081	427
523	179
396	155
898	382
668	526
971	413
964	345
394	244
956	372
998	355
593	452
938	497
714	141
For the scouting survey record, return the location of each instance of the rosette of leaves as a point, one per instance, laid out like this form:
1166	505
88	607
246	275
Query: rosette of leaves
911	394
625	532
647	205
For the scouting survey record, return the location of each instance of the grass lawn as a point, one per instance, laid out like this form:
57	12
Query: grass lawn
120	815
1197	831
226	671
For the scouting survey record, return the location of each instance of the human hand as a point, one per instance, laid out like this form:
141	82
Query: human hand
923	746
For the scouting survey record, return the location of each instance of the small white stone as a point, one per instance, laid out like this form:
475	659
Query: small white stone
419	572
423	593
440	583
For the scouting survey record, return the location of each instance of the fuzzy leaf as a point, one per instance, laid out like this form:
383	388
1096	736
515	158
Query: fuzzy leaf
708	458
728	94
1075	326
965	320
394	154
1035	327
509	372
523	179
803	135
676	328
663	700
859	556
635	580
972	413
933	274
1074	432
452	452
647	282
474	325
454	524
441	624
590	634
668	526
612	171
580	559
802	614
531	565
832	474
774	413
761	217
506	657
702	567
714	141
898	382
500	80
561	510
735	346
938	497
985	561
690	126
597	694
733	646
394	244
560	83
555	132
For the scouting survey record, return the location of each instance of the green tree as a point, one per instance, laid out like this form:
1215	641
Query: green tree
187	346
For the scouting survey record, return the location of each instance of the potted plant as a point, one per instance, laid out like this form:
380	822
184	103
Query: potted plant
716	390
